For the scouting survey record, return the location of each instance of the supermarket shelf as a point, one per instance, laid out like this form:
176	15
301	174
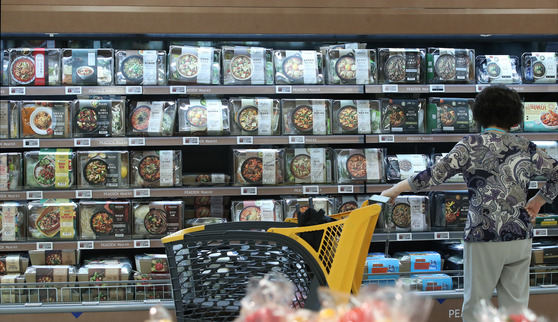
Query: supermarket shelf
414	236
179	141
48	308
454	88
444	137
453	294
374	188
80	244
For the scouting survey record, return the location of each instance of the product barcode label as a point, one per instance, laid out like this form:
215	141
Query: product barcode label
31	143
86	245
143	243
134	90
136	141
540	232
248	191
244	140
441	235
345	189
283	89
34	195
310	190
296	139
44	246
439	88
191	141
177	89
142	193
17	91
404	236
533	185
479	88
386	138
73	90
84	194
82	142
390	88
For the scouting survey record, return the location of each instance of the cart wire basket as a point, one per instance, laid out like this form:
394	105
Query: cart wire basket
211	265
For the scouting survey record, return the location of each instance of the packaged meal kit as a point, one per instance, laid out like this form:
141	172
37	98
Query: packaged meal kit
160	168
99	118
497	69
152	263
255	116
140	67
300	67
105	219
539	67
406	166
290	205
403	115
34	66
451	209
259	167
540	116
9	119
152	118
102	169
356	116
54	257
49	168
88	66
419	261
12	294
308	165
351	66
98	275
11	263
247	66
155	219
194	65
359	165
203	116
450	115
13	220
45	119
11	171
44	274
450	66
52	219
306	116
401	65
258	210
409	213
206	179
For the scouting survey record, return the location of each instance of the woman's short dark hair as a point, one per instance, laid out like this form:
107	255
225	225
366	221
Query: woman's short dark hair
499	106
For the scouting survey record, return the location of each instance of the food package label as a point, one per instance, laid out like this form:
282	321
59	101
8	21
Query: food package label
167	168
454	115
149	67
500	69
267	208
67	222
373	163
62	166
363	114
317	165
4	175
4	120
435	282
265	112
309	64
8	221
205	65
156	117
540	116
12	263
269	162
426	261
257	60
418	220
362	60
214	115
319	117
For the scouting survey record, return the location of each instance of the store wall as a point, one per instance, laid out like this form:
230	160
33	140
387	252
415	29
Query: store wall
285	17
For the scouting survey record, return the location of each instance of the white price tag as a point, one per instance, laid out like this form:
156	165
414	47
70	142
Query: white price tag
34	195
297	139
310	190
191	141
283	89
244	140
84	194
86	244
82	142
134	90
136	141
142	243
479	88
390	88
345	189
439	235
540	232
31	143
386	138
248	191
142	193
438	88
17	91
44	246
177	89
73	90
533	184
404	236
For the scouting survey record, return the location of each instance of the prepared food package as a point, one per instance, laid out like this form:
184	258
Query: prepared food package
546	220
205	207
434	282
102	169
255	116
54	257
194	65
540	116
45	119
403	115
458	178
247	66
306	116
99	118
88	66
140	67
5	61
206	179
320	202
351	66
9	119
380	264
34	66
109	219
409	213
450	115
13	219
539	67
347	203
98	274
152	263
497	69
12	294
411	164
451	208
11	263
419	261
257	210
298	67
356	116
159	168
53	219
201	116
145	289
259	167
308	165
450	66
359	165
63	275
155	219
11	172
401	65
152	118
49	168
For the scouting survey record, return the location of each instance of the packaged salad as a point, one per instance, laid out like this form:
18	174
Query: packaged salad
88	66
99	118
49	168
140	67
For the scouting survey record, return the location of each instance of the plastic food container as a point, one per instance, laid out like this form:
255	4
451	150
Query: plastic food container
359	166
140	67
351	66
401	65
9	119
49	169
99	118
300	67
540	117
11	171
451	209
247	66
105	219
450	66
403	166
151	118
409	213
403	115
102	169
88	66
306	116
356	116
34	66
539	67
259	167
13	218
194	65
45	119
450	115
53	219
156	168
255	116
498	69
155	219
308	165
203	117
258	210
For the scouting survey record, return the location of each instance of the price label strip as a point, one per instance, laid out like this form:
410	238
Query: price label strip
31	143
345	189
244	140
73	90
390	88
441	235
283	89
142	193
136	141
404	236
84	142
16	91
249	191
386	138
297	139
177	90
84	194
86	244
142	243
191	141
134	90
439	88
540	232
310	190
34	195
45	246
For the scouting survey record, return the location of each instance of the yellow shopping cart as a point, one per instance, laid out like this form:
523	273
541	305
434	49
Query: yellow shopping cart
211	265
